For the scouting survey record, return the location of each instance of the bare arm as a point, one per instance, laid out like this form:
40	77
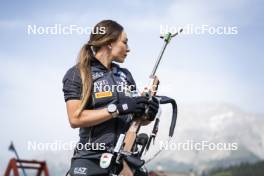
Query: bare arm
87	118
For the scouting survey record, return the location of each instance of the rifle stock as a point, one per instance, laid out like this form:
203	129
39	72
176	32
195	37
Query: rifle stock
136	124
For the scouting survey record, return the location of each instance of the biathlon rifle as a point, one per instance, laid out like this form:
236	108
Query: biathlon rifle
131	138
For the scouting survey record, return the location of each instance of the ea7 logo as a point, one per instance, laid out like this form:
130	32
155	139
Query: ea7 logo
80	170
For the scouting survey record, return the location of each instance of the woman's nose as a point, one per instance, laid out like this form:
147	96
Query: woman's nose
128	49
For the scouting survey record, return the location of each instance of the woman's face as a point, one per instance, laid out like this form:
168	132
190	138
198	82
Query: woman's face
120	48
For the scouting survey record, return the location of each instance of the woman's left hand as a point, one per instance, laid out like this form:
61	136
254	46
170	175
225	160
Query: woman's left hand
153	108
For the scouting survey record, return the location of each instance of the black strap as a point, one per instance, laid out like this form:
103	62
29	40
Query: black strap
166	100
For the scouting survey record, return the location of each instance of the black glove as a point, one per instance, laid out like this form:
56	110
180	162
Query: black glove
153	108
129	105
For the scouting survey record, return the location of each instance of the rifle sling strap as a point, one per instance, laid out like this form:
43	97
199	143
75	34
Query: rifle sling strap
166	100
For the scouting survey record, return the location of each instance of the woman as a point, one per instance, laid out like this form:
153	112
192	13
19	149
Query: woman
95	103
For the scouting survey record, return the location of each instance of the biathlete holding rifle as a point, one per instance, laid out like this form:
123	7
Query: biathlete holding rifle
101	115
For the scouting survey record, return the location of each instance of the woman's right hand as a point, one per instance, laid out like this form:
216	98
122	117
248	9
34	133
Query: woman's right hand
128	105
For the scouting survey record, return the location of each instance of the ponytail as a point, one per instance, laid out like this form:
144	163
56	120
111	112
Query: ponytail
84	66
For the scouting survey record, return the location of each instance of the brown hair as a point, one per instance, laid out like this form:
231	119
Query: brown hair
104	33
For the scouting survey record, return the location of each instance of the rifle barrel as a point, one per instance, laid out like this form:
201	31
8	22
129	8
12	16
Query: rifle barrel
167	39
159	59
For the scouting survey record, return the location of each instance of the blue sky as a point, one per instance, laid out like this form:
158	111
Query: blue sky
195	69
